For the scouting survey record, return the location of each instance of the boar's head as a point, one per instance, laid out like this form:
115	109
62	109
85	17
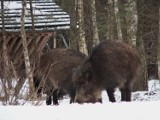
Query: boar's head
86	87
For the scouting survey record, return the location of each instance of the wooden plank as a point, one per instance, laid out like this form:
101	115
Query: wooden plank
45	5
54	14
17	46
38	26
8	20
13	42
11	11
41	2
43	41
8	38
29	39
39	30
16	23
31	46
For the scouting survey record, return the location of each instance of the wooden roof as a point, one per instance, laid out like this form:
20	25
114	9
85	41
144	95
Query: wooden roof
48	16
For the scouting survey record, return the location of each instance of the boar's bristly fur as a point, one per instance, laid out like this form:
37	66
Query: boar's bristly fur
55	69
111	64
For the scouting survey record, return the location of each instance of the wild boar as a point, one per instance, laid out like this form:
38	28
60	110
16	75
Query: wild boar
55	69
110	65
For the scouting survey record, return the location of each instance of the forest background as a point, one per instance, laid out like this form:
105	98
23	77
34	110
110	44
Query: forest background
135	22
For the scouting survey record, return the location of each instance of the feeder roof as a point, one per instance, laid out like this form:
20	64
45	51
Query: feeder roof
48	16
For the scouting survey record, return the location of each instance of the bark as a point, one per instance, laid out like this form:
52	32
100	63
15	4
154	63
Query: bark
142	83
123	16
112	31
94	23
88	26
81	41
147	40
102	13
35	56
6	70
70	7
54	40
148	16
73	24
25	49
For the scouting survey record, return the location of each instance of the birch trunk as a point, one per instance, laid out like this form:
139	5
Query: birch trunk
25	49
81	41
94	21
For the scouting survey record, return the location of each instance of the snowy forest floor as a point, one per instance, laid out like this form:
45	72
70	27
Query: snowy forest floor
153	94
144	106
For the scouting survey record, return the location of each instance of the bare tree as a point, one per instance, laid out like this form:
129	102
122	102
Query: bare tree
71	5
36	56
147	40
148	18
112	29
6	64
123	17
102	13
81	41
88	26
25	49
94	22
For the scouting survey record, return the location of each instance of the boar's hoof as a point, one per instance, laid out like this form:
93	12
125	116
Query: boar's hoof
49	101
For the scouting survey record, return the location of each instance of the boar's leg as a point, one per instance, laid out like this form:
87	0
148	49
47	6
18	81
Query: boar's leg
53	94
60	94
48	100
72	94
49	94
110	93
125	94
37	86
55	97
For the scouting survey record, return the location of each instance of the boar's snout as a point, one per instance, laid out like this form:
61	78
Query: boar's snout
90	100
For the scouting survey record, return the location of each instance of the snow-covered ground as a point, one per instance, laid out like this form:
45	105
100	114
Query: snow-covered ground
144	106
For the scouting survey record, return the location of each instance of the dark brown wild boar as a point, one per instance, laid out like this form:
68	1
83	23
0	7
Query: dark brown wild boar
110	65
55	68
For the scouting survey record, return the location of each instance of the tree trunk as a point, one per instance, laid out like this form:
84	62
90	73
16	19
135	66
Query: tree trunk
6	69
54	40
112	31
82	41
73	24
94	21
142	83
25	49
35	56
122	13
147	40
101	10
148	16
70	7
88	26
